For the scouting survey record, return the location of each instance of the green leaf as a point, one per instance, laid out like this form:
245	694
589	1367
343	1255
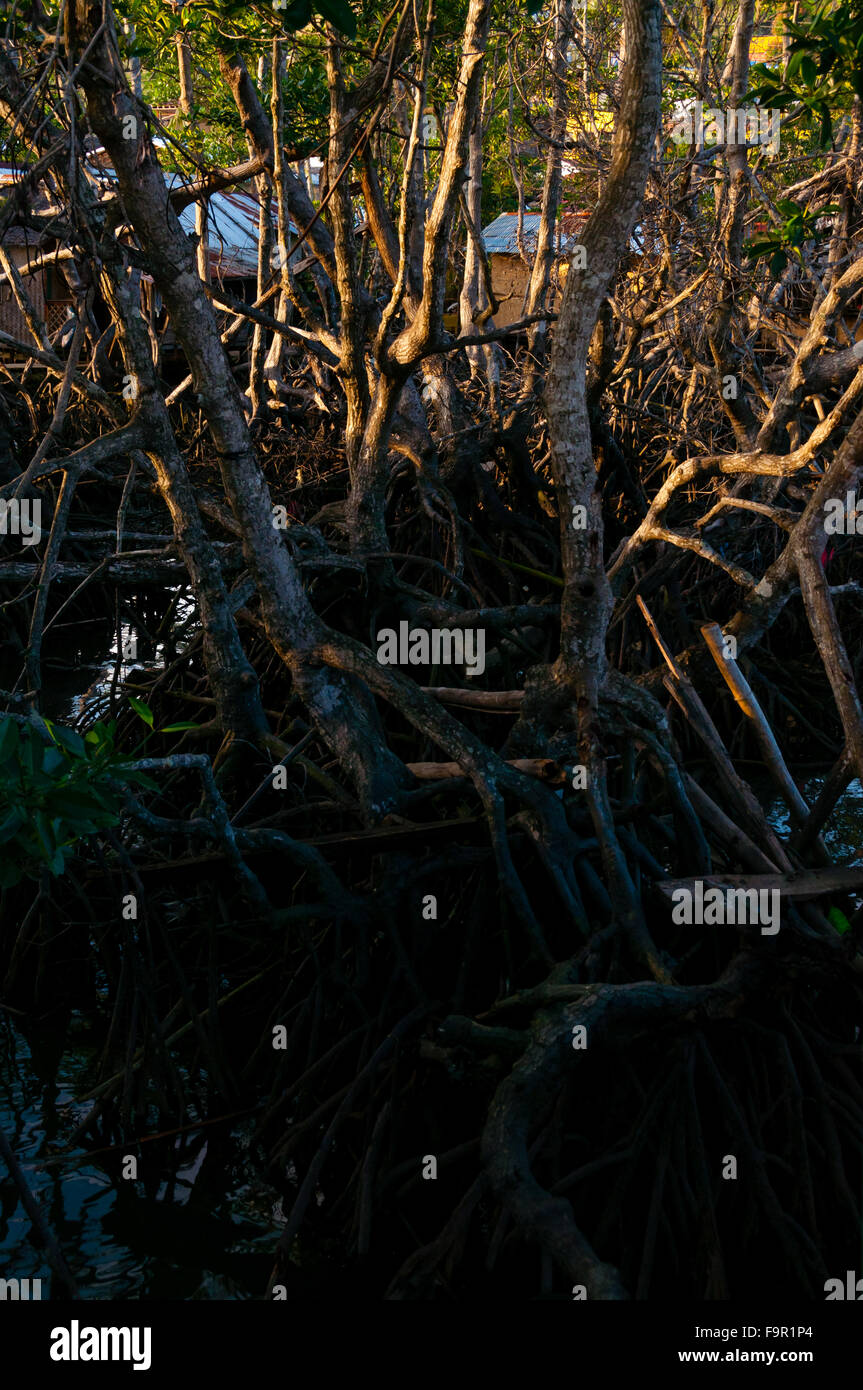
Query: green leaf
31	755
9	739
297	14
142	710
134	775
175	728
794	64
12	824
761	246
45	833
68	739
825	134
53	760
340	14
100	738
839	920
57	863
52	796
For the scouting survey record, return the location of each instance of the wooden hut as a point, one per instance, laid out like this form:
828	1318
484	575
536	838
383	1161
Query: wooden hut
232	260
510	270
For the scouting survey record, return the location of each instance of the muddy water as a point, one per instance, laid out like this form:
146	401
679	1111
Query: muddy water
84	660
83	679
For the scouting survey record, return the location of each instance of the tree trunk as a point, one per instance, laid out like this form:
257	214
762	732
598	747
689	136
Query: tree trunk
587	601
540	278
344	711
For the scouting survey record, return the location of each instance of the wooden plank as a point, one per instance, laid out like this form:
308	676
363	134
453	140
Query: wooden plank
545	769
801	886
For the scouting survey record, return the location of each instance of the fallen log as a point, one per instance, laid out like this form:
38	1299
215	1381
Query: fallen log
154	568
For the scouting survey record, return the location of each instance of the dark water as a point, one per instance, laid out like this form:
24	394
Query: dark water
197	1224
86	663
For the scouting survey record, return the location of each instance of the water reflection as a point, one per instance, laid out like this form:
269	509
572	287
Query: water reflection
87	661
197	1224
843	833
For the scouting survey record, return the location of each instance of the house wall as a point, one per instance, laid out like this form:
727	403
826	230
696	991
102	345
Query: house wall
509	277
11	318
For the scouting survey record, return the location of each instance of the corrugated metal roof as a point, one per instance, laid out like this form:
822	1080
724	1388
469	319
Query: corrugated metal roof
232	231
500	236
232	222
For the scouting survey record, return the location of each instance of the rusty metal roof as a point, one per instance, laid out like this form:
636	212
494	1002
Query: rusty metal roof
232	231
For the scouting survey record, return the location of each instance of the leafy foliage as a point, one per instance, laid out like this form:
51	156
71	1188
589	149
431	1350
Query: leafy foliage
839	920
824	68
54	792
289	15
800	225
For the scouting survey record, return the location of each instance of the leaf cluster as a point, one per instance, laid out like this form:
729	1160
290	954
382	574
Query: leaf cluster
787	239
56	788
